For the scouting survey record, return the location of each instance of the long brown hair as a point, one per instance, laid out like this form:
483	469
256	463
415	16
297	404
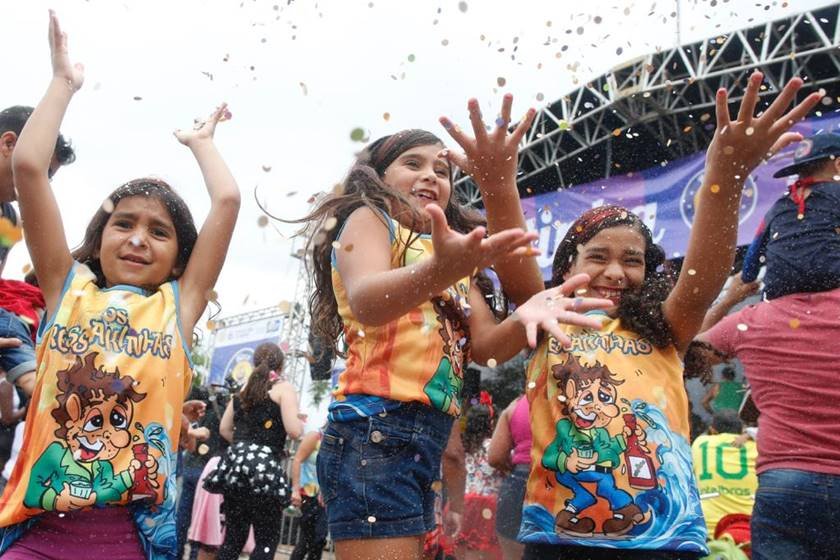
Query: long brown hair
640	309
185	230
364	186
267	358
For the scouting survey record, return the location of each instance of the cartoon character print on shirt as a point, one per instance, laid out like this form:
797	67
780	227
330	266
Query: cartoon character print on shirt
444	388
584	450
94	414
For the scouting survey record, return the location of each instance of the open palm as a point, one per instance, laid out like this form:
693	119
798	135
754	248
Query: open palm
74	74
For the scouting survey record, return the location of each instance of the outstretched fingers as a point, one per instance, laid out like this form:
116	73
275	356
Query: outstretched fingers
722	109
523	126
476	121
747	110
782	101
797	113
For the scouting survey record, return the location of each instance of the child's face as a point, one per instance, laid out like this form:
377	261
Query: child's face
614	259
422	176
139	245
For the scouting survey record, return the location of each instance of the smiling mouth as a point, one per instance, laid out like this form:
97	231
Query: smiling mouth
584	420
424	195
89	450
134	260
613	294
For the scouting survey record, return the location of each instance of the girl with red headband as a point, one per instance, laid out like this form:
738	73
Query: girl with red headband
611	469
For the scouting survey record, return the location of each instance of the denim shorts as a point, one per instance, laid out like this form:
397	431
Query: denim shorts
509	504
16	361
376	474
796	515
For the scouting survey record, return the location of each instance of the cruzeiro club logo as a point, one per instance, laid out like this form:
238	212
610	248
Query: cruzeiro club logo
688	198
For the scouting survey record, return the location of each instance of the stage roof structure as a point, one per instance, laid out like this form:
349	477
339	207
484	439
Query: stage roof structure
660	107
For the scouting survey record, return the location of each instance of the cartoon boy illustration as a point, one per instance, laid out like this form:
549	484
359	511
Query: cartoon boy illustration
584	451
94	412
444	388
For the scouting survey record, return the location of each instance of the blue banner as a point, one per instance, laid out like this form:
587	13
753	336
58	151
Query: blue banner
233	348
663	197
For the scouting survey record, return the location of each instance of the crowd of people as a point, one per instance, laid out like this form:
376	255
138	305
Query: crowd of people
596	459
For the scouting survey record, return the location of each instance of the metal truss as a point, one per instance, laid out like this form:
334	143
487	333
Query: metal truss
660	107
295	327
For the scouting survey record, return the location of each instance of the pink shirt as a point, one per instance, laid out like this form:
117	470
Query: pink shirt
790	348
520	432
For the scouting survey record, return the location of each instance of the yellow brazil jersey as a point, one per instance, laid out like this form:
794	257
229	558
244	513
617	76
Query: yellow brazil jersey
112	375
611	462
725	476
417	357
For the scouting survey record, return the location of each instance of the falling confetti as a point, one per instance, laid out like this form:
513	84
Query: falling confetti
358	135
794	323
486	513
501	81
463	6
411	58
27	268
742	327
108	205
137	98
491	363
691	272
212	295
386	116
540	97
336	245
715	188
203	449
262	221
268	424
532	385
303	88
437	486
266	168
211	325
330	223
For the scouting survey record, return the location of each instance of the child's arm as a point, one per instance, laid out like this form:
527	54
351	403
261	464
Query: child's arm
43	229
378	293
211	247
545	310
492	159
304	450
737	148
501	444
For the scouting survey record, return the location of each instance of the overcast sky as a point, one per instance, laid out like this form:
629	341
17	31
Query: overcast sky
299	77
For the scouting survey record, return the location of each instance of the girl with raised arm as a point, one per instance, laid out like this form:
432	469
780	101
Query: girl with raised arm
96	478
611	472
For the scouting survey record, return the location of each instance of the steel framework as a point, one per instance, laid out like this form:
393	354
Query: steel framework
660	107
295	327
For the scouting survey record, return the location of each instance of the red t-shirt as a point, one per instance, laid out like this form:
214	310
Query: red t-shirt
790	348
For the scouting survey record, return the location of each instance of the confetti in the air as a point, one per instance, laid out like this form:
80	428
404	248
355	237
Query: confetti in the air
266	168
108	205
262	221
463	6
742	327
358	135
794	323
491	363
501	81
386	116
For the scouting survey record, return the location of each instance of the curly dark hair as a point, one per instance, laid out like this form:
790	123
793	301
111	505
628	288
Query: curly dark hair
478	427
364	186
640	310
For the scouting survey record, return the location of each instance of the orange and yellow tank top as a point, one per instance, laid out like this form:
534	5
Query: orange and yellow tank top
418	357
112	375
611	459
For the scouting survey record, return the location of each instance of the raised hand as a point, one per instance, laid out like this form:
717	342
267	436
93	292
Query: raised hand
739	146
551	307
73	74
465	252
490	158
203	130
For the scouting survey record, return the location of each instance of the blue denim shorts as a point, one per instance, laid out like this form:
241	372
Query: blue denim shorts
376	474
16	361
510	500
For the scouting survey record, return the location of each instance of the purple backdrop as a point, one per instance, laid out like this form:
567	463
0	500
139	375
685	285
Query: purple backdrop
663	197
